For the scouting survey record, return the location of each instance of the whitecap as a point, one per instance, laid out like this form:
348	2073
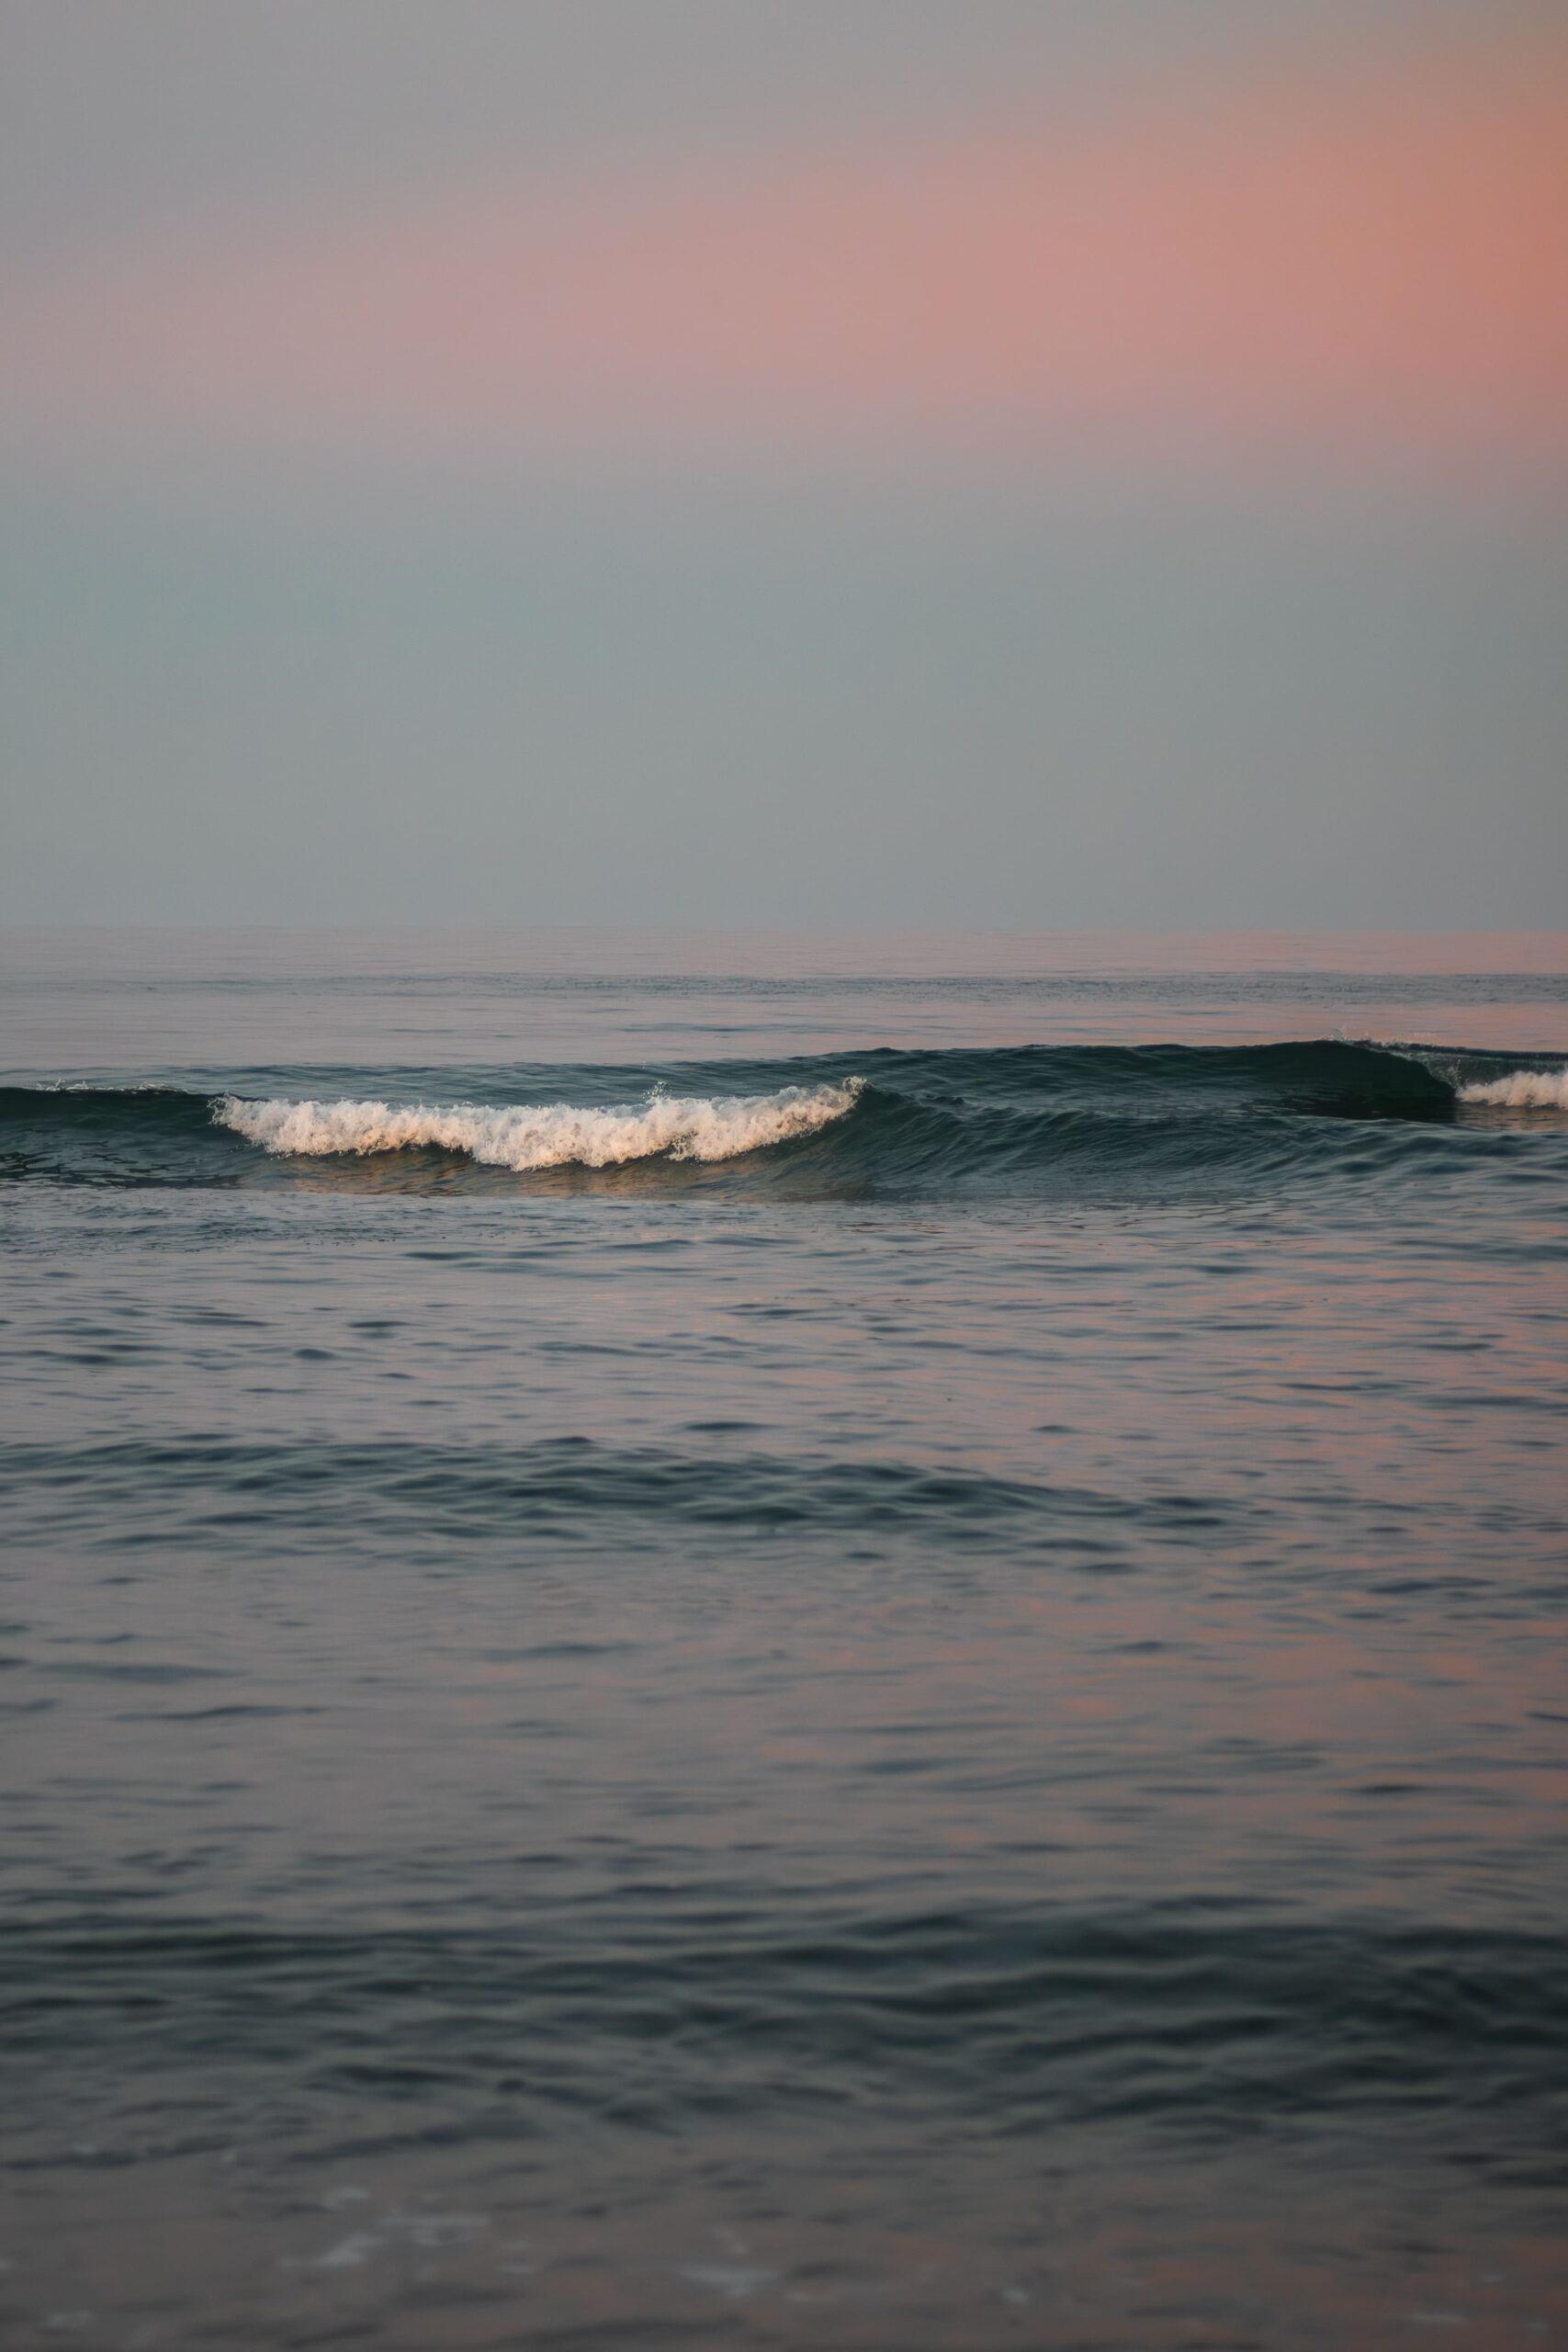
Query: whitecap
1522	1090
551	1135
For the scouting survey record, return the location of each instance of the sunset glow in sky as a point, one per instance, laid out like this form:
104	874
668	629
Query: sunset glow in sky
996	462
1353	251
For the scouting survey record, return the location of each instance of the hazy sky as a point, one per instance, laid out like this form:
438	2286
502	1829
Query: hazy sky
1094	461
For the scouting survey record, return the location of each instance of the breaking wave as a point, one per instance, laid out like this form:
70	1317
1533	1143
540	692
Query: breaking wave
552	1134
1095	1123
1520	1090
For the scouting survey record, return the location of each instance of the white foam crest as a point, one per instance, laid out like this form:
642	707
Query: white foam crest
1522	1090
551	1135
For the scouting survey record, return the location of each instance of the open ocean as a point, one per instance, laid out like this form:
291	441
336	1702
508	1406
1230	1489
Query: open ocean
796	1642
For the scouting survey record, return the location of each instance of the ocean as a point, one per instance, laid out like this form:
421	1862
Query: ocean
784	1642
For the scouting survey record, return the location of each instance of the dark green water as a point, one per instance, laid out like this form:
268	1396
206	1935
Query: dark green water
731	1658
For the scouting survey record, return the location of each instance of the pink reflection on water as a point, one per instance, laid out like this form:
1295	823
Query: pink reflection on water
87	1000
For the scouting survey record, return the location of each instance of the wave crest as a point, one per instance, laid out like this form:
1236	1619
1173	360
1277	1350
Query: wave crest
1522	1090
552	1134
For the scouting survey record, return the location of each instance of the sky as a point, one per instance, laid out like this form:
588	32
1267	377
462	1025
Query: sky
728	461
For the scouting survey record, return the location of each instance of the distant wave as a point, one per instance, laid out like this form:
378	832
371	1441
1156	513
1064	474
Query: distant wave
552	1134
1521	1089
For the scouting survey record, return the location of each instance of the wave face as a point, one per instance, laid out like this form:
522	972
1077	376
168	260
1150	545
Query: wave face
1087	1120
553	1134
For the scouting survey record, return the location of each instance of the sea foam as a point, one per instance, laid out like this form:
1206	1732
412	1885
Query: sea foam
551	1135
1522	1090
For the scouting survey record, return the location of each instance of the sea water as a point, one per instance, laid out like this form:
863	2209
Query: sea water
787	1642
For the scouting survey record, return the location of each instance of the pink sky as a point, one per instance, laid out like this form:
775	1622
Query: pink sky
1372	257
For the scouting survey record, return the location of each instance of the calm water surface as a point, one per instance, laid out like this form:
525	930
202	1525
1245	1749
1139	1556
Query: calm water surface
786	1643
